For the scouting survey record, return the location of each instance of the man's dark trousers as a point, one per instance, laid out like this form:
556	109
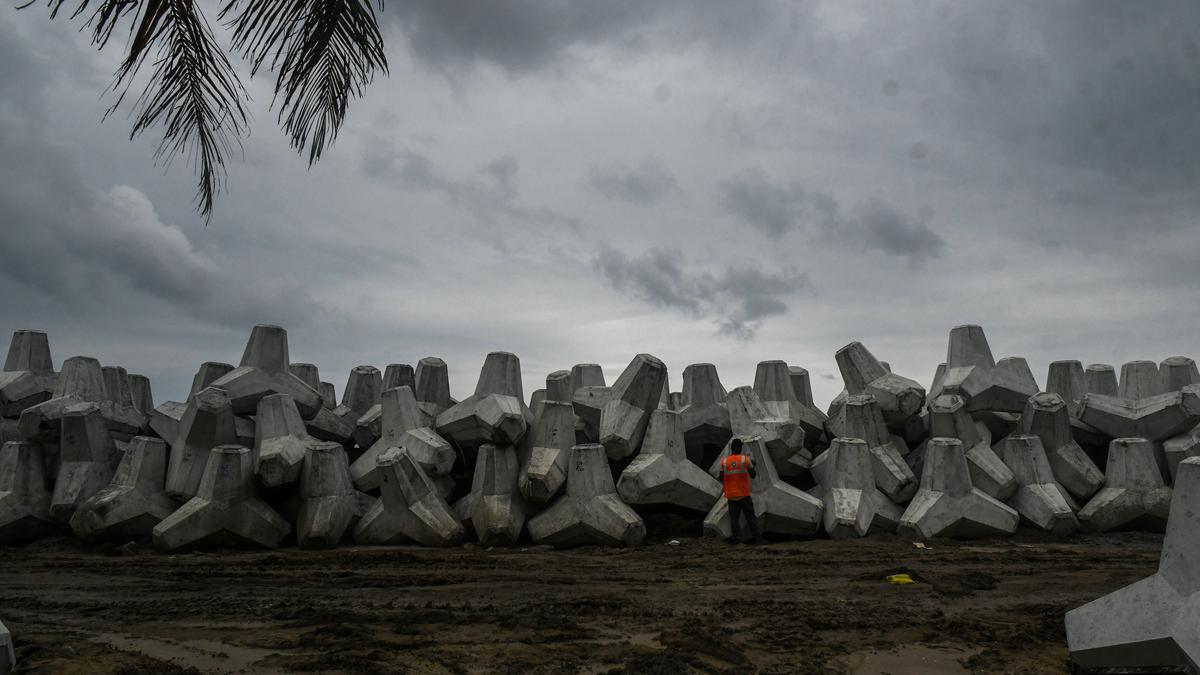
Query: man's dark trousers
737	507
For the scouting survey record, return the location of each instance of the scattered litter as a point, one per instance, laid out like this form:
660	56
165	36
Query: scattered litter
900	580
917	544
673	542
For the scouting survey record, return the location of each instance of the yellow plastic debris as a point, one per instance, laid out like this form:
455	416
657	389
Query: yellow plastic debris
900	580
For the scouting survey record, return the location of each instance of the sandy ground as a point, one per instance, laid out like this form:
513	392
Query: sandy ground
701	606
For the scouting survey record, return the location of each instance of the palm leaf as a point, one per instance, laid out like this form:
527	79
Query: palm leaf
325	52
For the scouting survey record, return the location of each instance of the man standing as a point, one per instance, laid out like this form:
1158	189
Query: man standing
736	471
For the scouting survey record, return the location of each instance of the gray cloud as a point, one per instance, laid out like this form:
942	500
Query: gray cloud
649	182
737	300
776	208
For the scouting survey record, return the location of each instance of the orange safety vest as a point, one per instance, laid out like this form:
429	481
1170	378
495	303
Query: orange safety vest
736	469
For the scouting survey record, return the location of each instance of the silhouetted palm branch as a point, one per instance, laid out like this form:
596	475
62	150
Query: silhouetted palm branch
324	51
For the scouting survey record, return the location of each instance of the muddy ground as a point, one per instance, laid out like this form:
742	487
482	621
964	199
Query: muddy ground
701	606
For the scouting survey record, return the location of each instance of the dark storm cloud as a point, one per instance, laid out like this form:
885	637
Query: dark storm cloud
522	36
491	192
649	182
737	299
1094	85
777	207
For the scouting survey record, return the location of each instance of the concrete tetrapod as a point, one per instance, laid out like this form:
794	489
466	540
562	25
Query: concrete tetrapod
165	418
853	506
1039	499
1066	379
781	437
496	413
1155	418
409	508
88	457
780	508
24	499
280	441
81	381
224	510
329	506
1151	624
1139	379
972	373
706	426
899	398
1177	372
773	384
802	385
1100	378
403	426
860	417
948	504
662	473
494	510
590	512
544	469
589	403
28	377
948	418
1134	495
207	423
264	370
8	657
1046	416
634	395
359	398
1177	449
433	387
134	502
369	425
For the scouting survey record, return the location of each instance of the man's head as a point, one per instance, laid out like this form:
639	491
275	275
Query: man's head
735	446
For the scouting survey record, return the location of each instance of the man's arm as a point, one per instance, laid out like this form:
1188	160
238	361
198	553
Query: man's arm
753	471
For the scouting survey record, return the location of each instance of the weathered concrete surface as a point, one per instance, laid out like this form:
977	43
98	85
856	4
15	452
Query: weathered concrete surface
972	373
1134	495
496	413
81	381
1177	372
329	506
662	473
308	373
143	394
1100	378
773	384
634	395
1046	416
1151	623
948	504
88	457
399	375
280	441
801	385
948	418
853	506
403	426
28	377
590	512
410	507
1179	448
1066	379
899	398
1039	499
861	418
586	375
589	403
207	423
133	502
494	510
224	510
359	398
1139	379
24	499
328	395
544	467
781	437
1155	418
433	387
164	418
780	508
264	370
705	419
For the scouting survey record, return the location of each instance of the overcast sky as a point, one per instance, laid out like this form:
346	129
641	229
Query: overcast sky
574	182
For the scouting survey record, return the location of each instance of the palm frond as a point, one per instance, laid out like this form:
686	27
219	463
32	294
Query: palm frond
325	52
194	93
